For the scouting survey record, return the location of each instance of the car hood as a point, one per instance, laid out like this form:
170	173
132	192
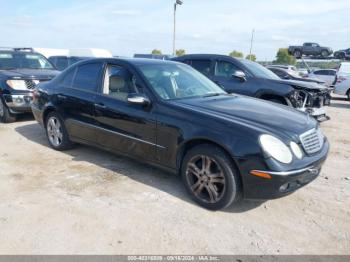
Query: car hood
300	84
254	113
30	73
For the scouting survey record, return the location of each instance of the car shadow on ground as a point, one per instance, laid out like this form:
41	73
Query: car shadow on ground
140	172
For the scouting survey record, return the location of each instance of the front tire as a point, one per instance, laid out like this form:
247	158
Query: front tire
324	54
56	132
210	177
5	114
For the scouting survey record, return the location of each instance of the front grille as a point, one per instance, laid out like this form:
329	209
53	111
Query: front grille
312	141
31	84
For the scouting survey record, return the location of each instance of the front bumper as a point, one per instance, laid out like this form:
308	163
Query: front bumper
19	103
284	182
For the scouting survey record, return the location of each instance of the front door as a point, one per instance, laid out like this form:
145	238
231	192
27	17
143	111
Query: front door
124	127
223	76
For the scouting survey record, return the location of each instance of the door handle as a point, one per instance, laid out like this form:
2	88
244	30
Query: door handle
100	106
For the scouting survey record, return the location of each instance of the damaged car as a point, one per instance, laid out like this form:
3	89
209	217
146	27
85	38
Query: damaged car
246	77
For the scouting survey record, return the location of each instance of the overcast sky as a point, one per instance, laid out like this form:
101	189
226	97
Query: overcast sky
204	26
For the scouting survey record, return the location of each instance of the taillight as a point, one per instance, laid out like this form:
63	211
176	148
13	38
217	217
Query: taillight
341	79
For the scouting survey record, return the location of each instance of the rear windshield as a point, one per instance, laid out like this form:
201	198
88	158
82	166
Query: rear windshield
23	60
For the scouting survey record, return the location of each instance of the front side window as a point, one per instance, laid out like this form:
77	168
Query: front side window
178	81
202	66
23	61
119	82
225	69
87	77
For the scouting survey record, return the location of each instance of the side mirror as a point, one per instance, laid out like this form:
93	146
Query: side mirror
138	99
240	75
286	77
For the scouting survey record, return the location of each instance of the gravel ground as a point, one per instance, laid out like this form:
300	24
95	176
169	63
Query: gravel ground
86	201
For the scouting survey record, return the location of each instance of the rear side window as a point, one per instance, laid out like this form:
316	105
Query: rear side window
320	72
68	78
202	66
87	77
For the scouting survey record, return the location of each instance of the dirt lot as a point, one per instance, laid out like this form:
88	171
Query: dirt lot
88	201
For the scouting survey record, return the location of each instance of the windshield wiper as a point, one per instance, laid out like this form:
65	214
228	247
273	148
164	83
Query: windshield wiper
212	94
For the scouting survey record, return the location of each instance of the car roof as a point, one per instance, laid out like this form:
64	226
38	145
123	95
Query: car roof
205	56
133	61
2	51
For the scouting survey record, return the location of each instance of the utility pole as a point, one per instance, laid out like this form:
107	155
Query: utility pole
251	45
177	2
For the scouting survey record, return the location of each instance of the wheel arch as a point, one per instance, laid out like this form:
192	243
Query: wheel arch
189	144
46	112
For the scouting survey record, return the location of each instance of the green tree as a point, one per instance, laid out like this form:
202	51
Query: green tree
283	57
180	52
237	54
156	52
251	57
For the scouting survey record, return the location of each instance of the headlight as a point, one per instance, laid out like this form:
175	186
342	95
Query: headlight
17	84
276	149
296	150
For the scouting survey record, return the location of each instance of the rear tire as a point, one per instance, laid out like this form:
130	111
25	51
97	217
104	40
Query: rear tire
348	94
324	54
5	114
297	54
56	132
210	177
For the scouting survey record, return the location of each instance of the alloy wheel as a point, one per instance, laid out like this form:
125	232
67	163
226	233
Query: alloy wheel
54	131
206	179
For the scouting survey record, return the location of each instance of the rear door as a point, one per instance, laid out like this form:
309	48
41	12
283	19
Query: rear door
76	100
122	126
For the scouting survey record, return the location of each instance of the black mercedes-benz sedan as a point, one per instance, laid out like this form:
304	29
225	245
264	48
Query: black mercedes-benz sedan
226	147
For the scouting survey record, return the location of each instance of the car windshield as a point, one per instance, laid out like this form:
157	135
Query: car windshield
258	70
23	60
177	81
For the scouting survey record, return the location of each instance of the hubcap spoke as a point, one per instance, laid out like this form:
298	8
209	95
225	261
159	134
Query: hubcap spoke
206	163
213	194
194	170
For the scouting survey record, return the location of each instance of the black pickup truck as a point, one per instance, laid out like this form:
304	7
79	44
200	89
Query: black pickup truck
21	69
252	79
310	49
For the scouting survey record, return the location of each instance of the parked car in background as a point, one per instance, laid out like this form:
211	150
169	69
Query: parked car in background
327	75
21	69
167	114
62	62
342	85
63	58
342	54
245	77
289	68
293	75
310	49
